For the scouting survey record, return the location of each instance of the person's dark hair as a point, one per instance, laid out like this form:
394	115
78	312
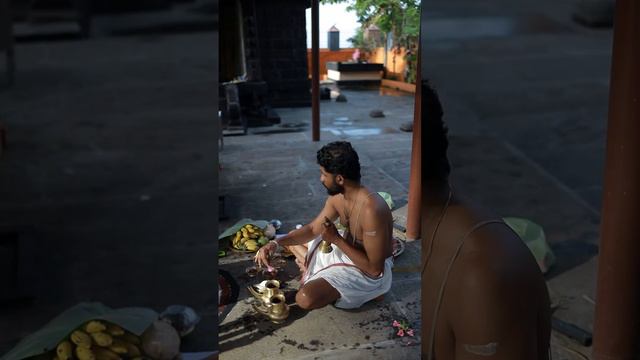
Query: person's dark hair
436	165
339	158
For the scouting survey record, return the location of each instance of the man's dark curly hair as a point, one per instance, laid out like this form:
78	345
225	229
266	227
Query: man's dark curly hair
435	166
339	158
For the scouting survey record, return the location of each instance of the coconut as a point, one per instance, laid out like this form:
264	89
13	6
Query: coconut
161	341
270	231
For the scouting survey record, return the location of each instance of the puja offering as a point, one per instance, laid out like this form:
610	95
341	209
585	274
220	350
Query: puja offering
270	273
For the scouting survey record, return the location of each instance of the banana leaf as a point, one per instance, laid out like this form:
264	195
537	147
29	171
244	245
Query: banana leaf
135	320
237	226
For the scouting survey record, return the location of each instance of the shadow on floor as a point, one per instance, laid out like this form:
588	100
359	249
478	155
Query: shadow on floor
569	255
252	327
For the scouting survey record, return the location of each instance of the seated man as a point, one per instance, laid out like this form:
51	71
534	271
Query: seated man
483	295
358	268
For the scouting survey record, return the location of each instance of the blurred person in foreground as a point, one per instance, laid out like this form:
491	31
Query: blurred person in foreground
483	294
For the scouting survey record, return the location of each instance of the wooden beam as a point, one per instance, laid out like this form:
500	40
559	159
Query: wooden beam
617	316
315	69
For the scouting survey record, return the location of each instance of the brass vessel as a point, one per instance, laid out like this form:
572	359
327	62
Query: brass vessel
275	308
265	290
325	247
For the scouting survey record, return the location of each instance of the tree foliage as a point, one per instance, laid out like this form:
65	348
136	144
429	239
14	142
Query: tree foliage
398	17
401	18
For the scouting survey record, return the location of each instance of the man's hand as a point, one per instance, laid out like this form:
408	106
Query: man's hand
329	232
262	256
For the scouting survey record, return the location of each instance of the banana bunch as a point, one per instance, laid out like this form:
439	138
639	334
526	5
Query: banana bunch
249	238
100	340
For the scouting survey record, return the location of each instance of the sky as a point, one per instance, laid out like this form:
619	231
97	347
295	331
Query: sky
335	14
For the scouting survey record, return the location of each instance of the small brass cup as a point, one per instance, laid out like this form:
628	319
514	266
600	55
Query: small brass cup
265	290
275	308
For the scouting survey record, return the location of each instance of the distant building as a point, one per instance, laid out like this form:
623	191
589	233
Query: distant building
374	34
333	39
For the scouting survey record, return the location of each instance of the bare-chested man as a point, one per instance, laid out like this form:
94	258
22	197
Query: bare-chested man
359	267
483	295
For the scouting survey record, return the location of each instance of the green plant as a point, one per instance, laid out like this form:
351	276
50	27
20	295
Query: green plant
358	41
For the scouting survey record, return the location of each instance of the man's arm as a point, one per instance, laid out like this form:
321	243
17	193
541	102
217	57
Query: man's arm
299	236
492	317
310	231
375	232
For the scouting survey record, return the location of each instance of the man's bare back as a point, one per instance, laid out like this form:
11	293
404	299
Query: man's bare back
362	213
495	303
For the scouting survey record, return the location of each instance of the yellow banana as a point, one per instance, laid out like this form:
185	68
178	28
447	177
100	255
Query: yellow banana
129	337
251	245
94	326
85	354
115	330
102	339
64	351
119	347
81	338
251	230
106	354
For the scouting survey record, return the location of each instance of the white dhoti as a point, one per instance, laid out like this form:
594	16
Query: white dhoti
355	286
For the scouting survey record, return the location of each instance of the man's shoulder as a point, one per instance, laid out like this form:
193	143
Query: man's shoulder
375	208
493	257
334	199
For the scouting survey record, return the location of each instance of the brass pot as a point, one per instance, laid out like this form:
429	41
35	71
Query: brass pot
275	308
265	290
325	247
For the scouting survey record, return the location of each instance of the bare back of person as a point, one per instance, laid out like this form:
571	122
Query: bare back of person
494	303
368	204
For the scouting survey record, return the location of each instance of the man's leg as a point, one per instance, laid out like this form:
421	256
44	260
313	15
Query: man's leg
300	252
316	294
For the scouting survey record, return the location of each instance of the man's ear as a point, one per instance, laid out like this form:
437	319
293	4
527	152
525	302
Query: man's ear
340	179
